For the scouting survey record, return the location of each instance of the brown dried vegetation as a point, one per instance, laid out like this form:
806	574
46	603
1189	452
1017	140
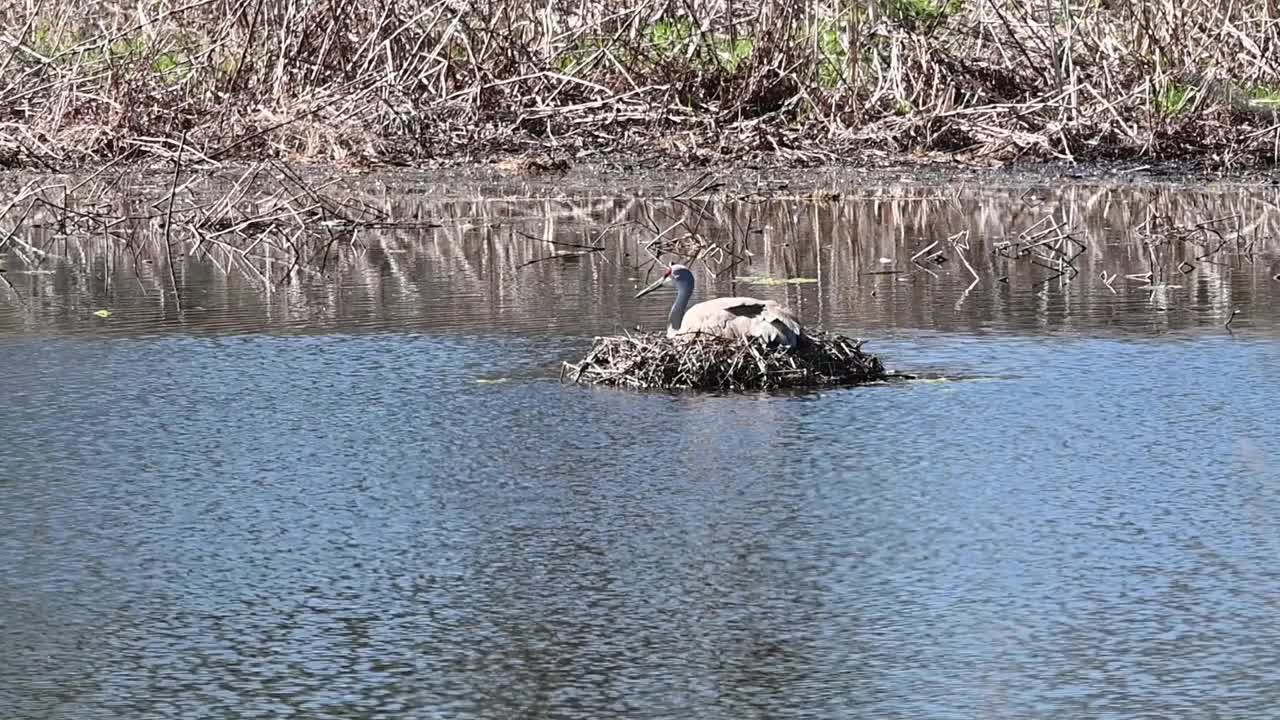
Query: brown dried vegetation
707	362
417	81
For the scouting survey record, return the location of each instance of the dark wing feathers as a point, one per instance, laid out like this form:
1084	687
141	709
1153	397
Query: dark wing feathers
746	310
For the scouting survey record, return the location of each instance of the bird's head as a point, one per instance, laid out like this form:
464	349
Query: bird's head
677	274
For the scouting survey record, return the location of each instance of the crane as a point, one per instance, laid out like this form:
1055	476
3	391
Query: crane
728	317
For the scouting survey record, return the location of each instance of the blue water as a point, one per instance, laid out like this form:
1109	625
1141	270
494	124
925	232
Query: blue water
365	494
362	525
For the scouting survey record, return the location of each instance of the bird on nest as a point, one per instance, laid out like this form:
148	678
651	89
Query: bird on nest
728	317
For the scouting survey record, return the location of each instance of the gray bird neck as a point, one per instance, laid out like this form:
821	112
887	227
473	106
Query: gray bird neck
683	292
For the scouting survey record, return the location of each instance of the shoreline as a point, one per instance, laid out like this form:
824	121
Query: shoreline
637	173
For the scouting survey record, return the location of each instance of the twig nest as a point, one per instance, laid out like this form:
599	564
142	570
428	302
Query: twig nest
709	362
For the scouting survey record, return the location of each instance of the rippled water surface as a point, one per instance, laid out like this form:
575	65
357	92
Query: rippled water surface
365	493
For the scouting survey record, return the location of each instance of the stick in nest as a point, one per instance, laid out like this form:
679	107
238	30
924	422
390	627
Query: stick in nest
707	362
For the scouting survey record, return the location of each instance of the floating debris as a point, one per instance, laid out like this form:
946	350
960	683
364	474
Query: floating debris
766	280
709	362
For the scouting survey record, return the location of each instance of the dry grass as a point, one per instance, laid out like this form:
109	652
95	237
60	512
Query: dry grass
88	81
708	362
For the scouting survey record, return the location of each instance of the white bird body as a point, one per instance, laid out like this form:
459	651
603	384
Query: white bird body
729	317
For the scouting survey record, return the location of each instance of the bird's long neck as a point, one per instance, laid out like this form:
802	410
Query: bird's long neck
679	306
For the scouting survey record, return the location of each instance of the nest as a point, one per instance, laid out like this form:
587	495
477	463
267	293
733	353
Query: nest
708	362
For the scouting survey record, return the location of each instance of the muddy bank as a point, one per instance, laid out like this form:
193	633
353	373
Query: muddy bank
530	164
639	173
770	175
641	176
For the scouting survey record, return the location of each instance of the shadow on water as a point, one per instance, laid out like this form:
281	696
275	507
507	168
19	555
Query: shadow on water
362	492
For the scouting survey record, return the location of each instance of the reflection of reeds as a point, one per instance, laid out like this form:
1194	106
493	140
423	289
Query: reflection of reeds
874	252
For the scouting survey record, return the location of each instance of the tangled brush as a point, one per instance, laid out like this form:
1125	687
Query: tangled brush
709	362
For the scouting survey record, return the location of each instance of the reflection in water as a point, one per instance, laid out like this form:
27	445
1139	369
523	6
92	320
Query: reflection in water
202	519
510	264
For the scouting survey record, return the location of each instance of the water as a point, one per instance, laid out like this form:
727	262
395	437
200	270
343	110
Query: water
366	494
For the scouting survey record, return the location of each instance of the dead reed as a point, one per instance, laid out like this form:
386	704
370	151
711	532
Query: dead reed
267	222
708	362
391	81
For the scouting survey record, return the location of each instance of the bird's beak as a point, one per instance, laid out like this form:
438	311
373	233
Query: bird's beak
654	286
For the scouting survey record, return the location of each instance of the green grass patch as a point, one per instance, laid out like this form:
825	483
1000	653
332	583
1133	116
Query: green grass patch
671	39
832	56
1175	98
921	15
1265	95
